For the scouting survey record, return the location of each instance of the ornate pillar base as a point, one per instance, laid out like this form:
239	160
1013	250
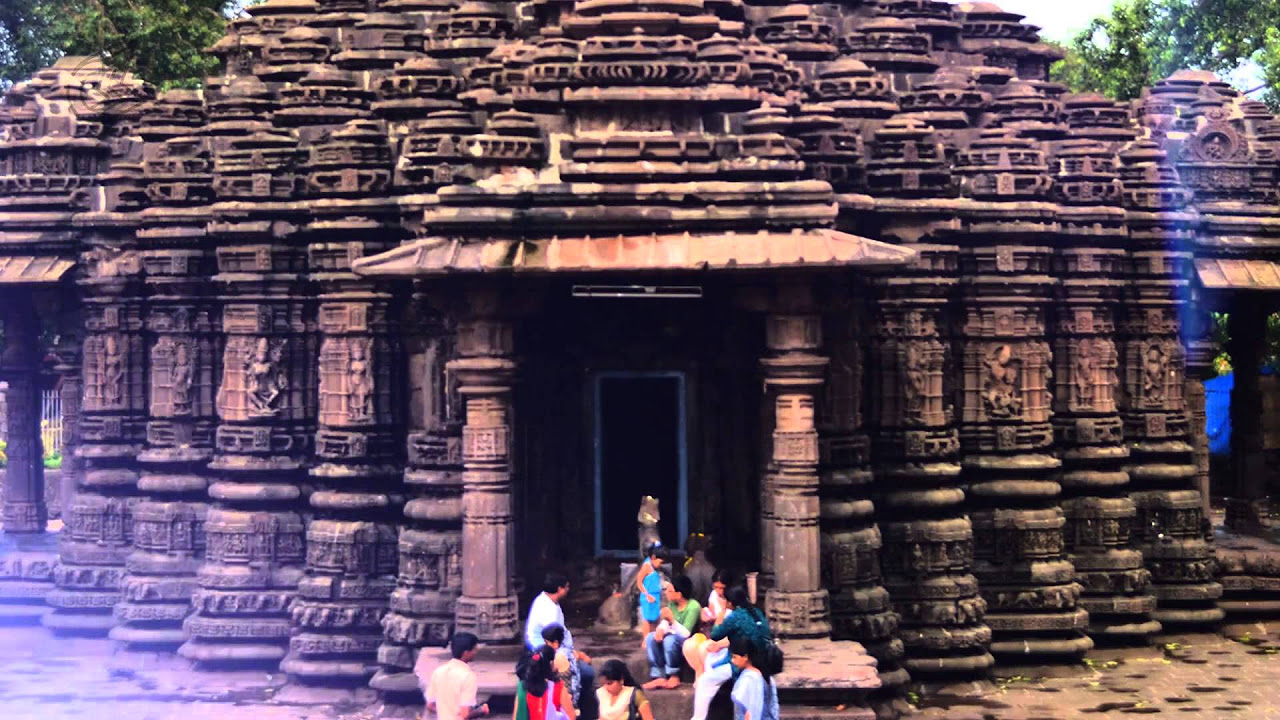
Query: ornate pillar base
799	614
26	577
1182	563
491	619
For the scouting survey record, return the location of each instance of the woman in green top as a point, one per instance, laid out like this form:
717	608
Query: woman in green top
679	620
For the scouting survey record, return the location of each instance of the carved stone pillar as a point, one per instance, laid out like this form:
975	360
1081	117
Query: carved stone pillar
24	504
98	536
1100	514
1088	430
430	543
1156	423
1197	324
928	540
71	390
184	353
1006	405
1020	561
797	603
851	540
27	552
1247	501
98	527
254	529
351	541
485	369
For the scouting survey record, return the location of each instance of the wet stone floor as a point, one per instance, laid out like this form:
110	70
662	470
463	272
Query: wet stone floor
1201	676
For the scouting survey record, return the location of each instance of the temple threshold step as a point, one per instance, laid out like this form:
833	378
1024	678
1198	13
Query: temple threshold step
87	623
1260	606
172	637
1123	630
230	652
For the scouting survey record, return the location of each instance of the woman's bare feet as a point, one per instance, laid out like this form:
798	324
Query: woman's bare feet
655	683
672	682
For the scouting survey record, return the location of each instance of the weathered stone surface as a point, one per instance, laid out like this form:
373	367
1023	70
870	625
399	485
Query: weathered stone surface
311	290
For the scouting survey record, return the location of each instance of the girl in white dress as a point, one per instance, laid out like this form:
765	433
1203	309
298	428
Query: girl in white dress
618	695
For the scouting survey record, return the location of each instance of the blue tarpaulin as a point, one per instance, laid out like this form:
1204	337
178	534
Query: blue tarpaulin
1217	409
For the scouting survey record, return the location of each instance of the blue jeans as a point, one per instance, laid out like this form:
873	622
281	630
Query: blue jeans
664	657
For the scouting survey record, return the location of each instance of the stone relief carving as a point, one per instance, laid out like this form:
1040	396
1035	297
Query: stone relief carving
920	365
267	378
254	378
172	377
360	381
1001	394
1155	365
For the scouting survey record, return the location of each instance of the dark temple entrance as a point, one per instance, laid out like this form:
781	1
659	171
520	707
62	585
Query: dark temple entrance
640	449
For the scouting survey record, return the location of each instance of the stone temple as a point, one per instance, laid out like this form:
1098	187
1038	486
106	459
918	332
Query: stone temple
417	298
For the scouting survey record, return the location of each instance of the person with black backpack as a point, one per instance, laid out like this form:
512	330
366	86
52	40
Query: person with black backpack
755	694
745	621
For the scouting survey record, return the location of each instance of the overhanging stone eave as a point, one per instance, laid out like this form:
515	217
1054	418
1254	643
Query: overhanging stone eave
1228	275
17	270
814	249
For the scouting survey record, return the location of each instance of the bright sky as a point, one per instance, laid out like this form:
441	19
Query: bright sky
1060	19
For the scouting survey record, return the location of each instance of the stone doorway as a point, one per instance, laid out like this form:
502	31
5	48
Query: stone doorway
640	447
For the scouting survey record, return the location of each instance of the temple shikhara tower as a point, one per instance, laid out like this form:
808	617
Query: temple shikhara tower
416	300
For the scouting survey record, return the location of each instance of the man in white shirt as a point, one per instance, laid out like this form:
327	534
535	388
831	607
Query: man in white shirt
546	611
451	689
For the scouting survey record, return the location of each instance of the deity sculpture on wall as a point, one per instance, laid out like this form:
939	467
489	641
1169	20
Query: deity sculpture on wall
918	370
360	382
1154	365
1000	392
112	373
180	377
267	378
1085	370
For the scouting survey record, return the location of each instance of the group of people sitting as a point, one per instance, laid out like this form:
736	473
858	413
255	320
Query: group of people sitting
729	640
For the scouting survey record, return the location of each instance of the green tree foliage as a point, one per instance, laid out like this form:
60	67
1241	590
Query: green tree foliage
162	41
1141	41
1121	53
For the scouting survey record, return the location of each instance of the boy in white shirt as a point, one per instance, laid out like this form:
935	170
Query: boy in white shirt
451	689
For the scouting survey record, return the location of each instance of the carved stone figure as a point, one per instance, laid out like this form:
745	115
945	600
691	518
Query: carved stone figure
180	378
647	520
360	382
1085	373
267	378
1154	371
1001	393
917	374
112	360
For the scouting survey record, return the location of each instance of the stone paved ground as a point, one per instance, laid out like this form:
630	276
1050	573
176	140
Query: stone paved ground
1205	676
1197	677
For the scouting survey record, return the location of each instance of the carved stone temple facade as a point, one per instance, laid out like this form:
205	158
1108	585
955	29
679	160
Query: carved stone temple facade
416	298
